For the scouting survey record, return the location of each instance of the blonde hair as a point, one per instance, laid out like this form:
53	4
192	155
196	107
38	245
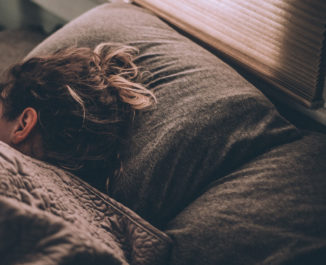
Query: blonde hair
118	75
86	100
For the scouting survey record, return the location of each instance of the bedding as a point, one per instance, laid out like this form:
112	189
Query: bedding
48	216
207	122
271	210
213	165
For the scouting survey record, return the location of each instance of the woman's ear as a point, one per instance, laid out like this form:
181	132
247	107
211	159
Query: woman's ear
25	124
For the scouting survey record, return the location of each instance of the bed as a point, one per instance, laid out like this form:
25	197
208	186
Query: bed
213	175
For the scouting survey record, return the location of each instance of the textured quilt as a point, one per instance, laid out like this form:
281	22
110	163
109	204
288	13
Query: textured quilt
50	217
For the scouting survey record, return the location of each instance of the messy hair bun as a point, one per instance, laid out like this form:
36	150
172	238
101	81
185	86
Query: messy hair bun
85	99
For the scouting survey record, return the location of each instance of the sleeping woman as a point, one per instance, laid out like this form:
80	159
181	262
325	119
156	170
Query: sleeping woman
73	108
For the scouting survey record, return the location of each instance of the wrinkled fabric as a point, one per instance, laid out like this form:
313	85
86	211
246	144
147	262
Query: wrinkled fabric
208	120
271	210
48	216
214	164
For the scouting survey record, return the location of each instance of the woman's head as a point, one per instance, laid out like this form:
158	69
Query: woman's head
83	100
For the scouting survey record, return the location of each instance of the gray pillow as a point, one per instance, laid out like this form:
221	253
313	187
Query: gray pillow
208	120
271	210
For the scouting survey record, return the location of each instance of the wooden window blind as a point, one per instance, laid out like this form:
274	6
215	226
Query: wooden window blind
280	40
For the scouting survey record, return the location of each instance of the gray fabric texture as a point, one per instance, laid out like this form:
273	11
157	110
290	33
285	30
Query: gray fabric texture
208	120
272	210
50	217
